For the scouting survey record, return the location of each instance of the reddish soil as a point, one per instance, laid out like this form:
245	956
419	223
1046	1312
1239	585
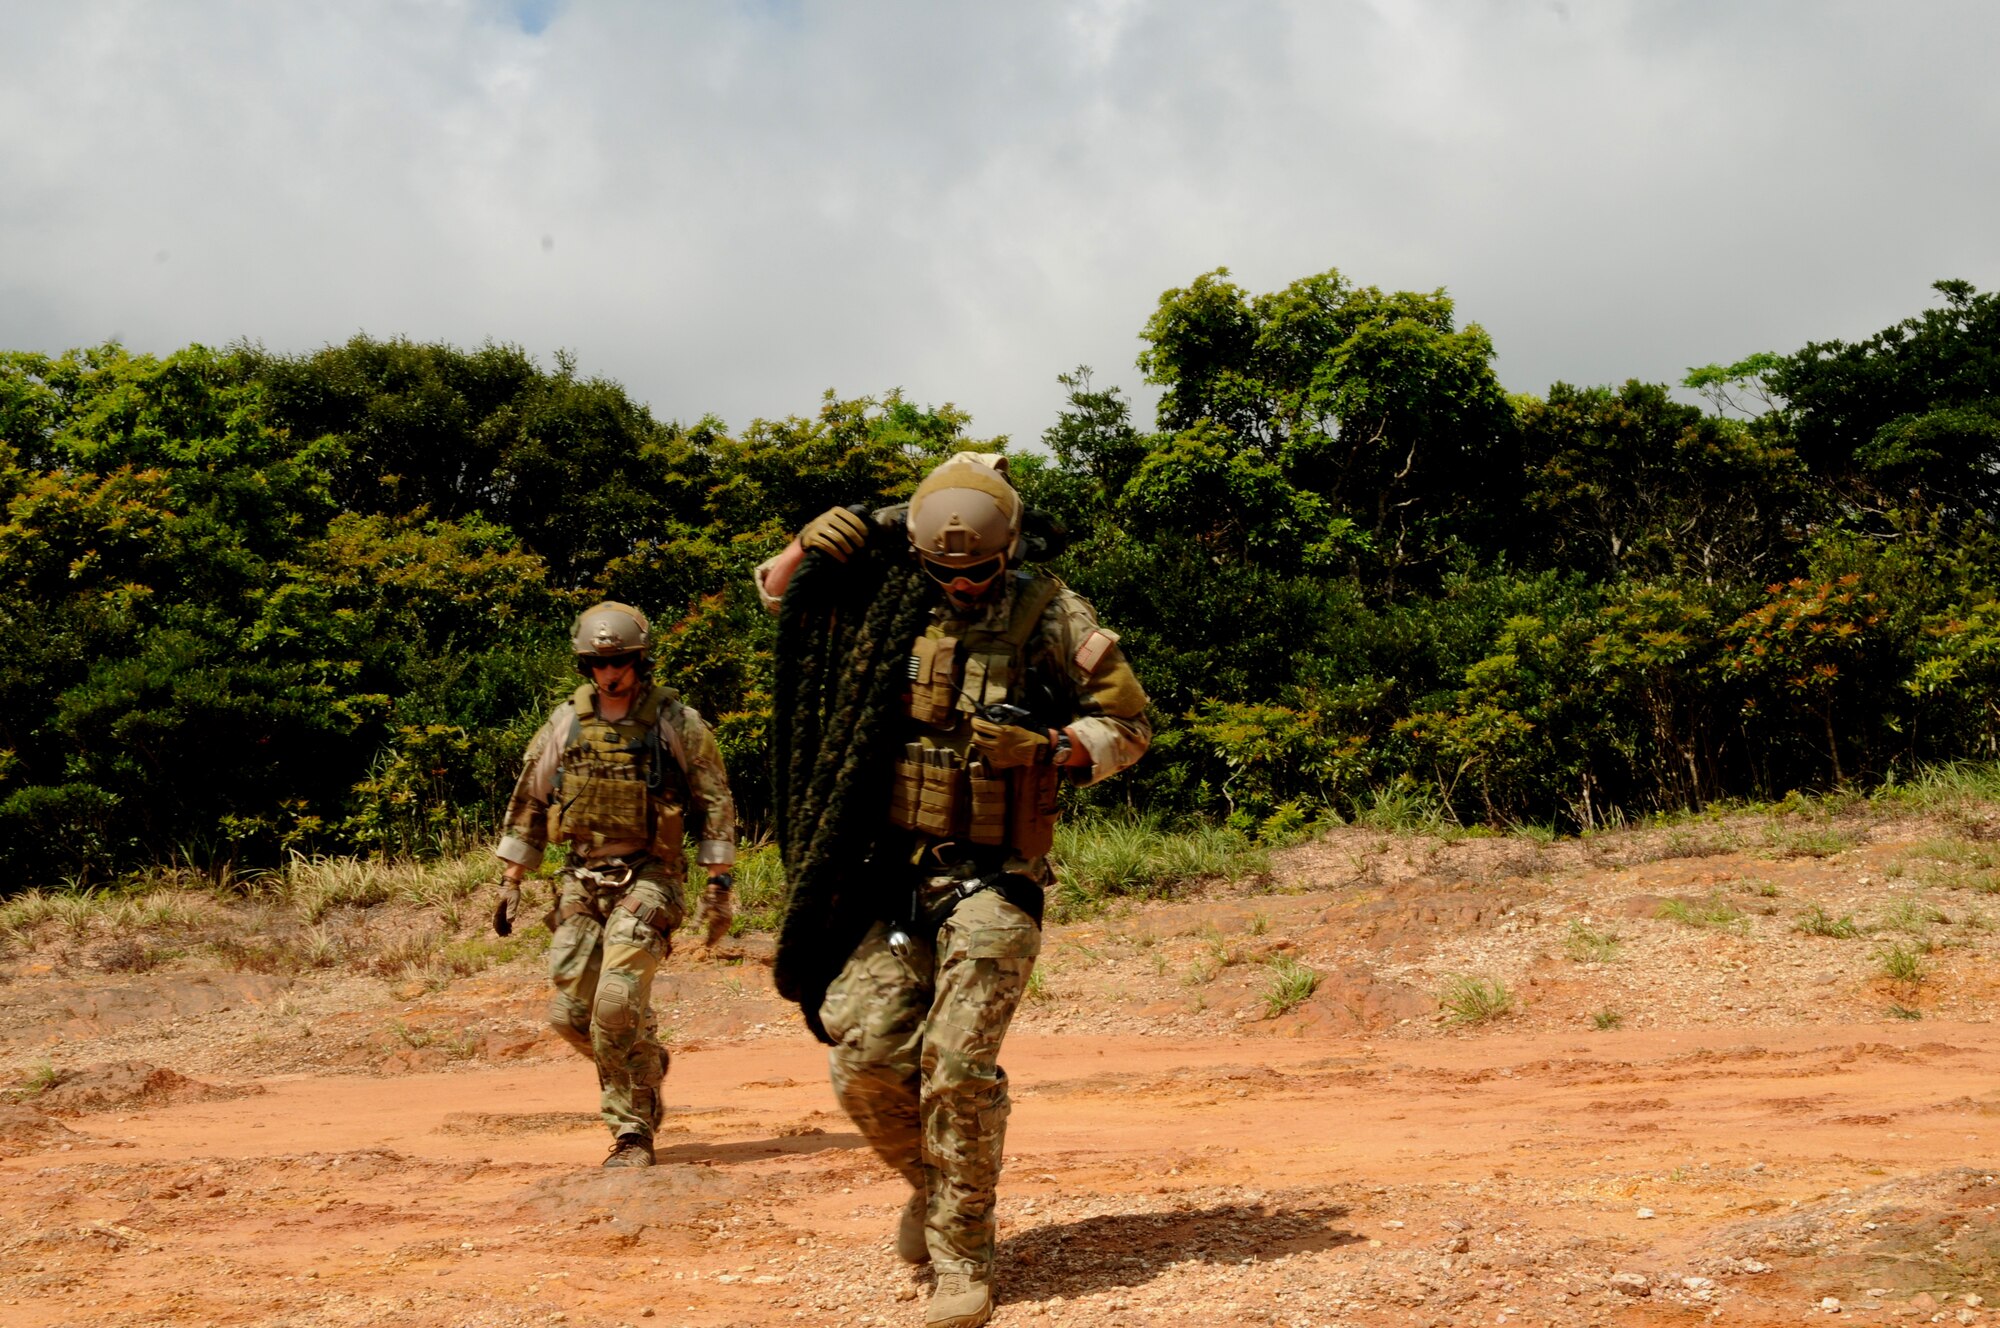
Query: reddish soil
1766	1135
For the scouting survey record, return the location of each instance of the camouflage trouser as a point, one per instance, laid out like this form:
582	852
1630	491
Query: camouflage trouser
916	1063
608	942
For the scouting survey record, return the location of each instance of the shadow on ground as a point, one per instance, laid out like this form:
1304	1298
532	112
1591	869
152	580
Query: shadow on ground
758	1150
1129	1249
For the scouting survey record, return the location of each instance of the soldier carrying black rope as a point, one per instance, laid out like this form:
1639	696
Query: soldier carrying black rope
931	694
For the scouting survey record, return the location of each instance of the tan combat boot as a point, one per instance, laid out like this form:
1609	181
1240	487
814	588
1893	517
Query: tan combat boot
630	1150
911	1247
959	1302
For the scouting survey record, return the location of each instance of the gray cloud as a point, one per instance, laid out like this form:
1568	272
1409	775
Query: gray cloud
731	208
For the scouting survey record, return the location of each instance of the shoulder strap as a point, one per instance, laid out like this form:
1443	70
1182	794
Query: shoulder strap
655	700
1030	603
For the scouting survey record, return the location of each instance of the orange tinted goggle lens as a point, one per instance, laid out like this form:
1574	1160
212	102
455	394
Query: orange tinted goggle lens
977	574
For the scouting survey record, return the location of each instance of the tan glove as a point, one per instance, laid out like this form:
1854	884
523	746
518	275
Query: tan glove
1008	745
718	909
836	532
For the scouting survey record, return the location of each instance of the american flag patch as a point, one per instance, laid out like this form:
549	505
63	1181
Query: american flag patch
1094	648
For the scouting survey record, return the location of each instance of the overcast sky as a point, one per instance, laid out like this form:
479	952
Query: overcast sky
732	207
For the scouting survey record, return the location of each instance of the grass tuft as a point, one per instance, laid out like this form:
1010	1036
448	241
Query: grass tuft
1607	1019
1808	841
1905	964
1291	983
1712	912
1474	1000
1912	916
1816	921
1585	945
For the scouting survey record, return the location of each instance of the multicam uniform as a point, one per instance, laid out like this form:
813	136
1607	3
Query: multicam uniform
917	1036
621	794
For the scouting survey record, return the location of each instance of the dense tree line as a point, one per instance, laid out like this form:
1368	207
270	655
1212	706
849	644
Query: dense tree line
255	603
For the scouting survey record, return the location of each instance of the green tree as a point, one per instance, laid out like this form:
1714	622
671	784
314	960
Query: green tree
1909	416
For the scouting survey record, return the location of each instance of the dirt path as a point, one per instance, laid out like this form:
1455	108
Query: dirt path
1312	1182
1756	1141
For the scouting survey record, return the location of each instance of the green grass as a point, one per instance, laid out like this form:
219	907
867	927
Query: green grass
1897	1010
37	1081
1291	983
759	891
1808	841
1816	921
1101	858
318	884
1474	1000
1405	808
1712	912
1902	963
1607	1019
1944	788
1911	916
1585	945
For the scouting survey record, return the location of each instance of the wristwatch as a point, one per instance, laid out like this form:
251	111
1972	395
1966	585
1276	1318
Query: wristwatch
1059	748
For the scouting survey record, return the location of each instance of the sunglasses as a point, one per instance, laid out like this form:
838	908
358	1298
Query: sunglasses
596	662
977	574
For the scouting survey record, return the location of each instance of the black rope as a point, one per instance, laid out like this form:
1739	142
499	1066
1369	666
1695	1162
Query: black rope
844	634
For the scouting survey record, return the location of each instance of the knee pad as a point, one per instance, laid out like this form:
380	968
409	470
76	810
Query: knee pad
616	1011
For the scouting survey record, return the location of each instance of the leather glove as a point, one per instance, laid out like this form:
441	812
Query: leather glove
718	909
510	904
1009	745
836	532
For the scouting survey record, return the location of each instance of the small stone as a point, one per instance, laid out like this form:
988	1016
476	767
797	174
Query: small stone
1630	1284
1697	1283
906	1293
1643	1213
1754	1266
1831	1304
1966	1316
1973	1300
1458	1244
646	1313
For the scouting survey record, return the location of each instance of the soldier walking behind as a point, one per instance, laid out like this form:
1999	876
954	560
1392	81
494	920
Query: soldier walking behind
1007	685
618	772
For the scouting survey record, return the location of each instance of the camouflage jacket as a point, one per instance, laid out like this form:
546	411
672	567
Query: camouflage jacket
683	737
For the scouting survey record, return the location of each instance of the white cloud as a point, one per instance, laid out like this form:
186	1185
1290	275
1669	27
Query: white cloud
730	208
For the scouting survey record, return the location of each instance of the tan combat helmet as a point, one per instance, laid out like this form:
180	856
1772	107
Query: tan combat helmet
609	629
965	518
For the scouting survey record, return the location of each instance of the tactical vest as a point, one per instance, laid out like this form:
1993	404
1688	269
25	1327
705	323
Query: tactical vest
614	784
942	786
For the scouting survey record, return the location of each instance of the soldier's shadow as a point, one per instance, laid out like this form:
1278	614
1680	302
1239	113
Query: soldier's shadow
758	1150
1129	1249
